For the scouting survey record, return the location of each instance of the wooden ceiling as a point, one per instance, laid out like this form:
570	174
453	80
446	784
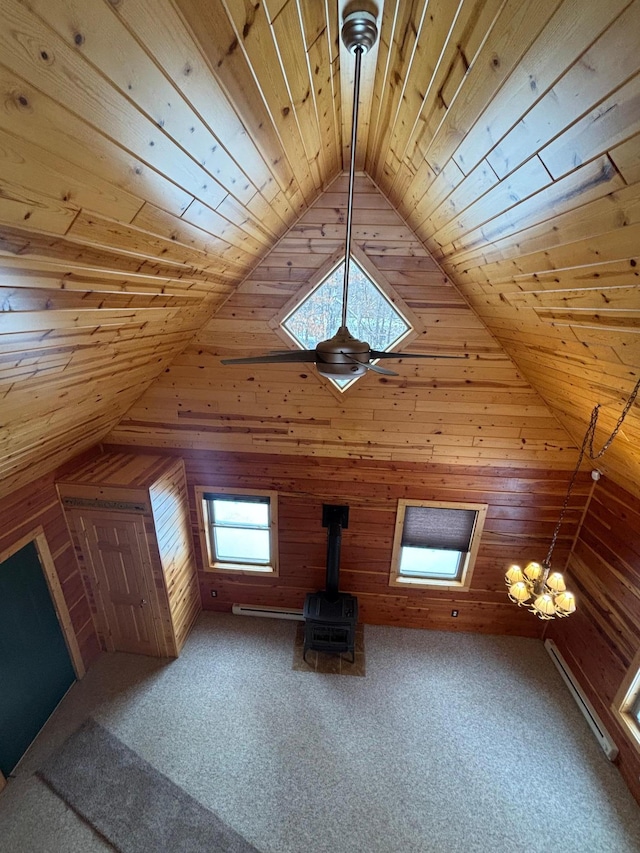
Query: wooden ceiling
153	153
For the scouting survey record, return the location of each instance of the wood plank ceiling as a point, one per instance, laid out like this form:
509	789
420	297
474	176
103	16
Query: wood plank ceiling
152	153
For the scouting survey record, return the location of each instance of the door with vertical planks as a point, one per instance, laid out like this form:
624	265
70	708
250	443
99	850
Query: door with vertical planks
115	549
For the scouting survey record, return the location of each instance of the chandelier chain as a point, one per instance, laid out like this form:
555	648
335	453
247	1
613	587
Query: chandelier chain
594	419
588	440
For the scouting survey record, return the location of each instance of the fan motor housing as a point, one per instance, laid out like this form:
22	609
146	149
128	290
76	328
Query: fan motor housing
342	356
341	371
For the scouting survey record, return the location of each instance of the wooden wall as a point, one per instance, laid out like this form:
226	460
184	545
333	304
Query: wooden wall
523	507
37	505
171	531
475	411
600	640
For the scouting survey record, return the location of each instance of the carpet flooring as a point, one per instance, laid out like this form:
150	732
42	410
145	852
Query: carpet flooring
451	743
128	802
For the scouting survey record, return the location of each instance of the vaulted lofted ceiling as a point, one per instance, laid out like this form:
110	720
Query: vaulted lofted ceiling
168	182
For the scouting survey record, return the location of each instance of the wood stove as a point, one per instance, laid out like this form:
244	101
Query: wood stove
330	616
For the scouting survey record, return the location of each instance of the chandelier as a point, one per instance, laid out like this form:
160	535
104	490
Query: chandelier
537	587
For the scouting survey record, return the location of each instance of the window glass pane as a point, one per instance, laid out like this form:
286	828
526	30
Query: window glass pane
241	545
371	316
430	563
240	512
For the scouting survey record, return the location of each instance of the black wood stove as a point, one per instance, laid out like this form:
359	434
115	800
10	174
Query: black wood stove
330	616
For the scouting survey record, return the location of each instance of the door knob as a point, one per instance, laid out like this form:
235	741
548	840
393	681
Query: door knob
143	601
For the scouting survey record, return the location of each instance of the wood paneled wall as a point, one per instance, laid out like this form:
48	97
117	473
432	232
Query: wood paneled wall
171	531
478	410
37	505
523	507
600	640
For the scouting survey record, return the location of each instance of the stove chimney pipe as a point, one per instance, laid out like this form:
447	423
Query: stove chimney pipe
334	518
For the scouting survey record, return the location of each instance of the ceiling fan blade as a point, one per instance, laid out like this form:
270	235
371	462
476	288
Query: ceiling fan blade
376	354
275	358
377	369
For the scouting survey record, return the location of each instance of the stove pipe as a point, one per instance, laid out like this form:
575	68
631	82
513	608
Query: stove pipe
334	518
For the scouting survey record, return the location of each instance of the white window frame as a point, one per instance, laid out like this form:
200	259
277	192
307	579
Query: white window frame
210	563
463	582
626	699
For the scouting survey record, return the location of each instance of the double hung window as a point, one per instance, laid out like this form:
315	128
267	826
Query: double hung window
238	530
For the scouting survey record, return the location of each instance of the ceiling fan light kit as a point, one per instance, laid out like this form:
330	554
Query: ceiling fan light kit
343	356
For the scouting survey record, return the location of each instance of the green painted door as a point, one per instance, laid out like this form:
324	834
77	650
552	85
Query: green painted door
35	667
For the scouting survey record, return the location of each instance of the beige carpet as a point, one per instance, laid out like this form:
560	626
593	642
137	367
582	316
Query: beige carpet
452	743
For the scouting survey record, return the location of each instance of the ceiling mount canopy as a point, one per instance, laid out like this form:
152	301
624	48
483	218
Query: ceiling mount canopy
359	30
343	356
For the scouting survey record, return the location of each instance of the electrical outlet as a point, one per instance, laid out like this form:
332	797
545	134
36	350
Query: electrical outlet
214	593
454	612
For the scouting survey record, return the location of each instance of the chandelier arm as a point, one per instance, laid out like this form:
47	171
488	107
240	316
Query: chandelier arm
358	52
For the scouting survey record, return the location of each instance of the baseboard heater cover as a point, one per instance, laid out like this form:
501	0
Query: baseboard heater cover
268	612
595	723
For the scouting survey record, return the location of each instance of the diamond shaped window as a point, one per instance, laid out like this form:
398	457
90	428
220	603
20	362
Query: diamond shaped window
371	316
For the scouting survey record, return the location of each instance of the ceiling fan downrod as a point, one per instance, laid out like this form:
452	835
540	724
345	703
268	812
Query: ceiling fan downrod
343	356
359	34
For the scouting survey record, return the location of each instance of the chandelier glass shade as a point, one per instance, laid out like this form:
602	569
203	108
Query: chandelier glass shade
539	589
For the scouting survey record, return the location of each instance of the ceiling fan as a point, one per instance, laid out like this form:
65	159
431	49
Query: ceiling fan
344	356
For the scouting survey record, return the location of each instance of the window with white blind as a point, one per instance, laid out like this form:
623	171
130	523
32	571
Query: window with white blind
436	543
238	530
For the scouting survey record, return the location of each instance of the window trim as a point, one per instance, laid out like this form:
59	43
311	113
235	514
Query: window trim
461	585
204	529
626	698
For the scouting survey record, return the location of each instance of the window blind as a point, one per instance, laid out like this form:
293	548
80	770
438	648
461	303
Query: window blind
243	499
434	527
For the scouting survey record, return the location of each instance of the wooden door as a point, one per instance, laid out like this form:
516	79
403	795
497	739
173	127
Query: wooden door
115	549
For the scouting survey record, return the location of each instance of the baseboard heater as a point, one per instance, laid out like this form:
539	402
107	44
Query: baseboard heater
595	723
268	612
